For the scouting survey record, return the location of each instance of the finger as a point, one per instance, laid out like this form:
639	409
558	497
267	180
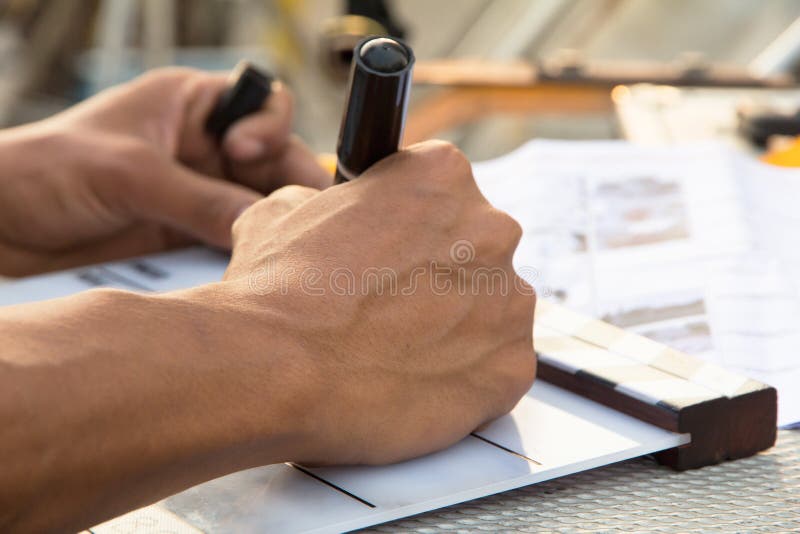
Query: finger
137	240
295	165
434	159
298	165
431	166
196	204
284	200
279	203
265	131
255	226
263	134
134	241
201	96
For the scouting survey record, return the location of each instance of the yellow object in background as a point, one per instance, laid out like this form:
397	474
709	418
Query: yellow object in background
327	161
785	154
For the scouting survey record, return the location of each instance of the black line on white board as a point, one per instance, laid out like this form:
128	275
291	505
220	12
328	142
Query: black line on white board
149	270
331	485
133	284
515	453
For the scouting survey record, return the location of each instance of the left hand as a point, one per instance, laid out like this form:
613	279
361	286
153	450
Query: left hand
132	171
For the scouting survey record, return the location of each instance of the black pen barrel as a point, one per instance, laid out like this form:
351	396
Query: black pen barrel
377	99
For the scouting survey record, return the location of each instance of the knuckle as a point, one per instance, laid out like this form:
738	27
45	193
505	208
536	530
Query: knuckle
443	161
525	291
500	233
165	76
441	148
241	222
514	227
290	196
251	217
294	191
507	229
452	159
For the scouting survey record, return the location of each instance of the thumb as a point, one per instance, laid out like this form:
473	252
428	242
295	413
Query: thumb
199	205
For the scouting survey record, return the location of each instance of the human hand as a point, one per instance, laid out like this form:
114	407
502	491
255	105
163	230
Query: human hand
393	300
132	171
372	322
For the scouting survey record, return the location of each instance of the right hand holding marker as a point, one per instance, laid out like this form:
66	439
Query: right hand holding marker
408	324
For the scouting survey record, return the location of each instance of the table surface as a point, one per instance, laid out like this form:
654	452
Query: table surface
756	494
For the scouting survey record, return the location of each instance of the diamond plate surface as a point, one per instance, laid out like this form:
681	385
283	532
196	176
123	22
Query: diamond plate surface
757	494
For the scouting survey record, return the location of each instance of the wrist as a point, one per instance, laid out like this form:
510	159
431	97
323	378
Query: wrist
138	396
256	381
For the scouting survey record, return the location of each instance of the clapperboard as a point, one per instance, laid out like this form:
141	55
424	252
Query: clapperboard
728	415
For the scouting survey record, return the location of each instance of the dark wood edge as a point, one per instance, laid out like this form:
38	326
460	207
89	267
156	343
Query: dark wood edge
753	422
601	392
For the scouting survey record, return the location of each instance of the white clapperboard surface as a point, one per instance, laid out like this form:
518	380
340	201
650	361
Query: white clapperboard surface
550	433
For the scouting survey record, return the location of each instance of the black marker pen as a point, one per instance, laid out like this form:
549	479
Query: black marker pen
375	113
249	88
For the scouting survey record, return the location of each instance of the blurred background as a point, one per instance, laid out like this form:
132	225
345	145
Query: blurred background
490	74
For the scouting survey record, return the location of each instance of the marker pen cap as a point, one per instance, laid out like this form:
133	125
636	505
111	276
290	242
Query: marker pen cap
377	98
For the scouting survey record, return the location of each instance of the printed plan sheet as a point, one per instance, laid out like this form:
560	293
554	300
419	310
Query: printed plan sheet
550	433
693	246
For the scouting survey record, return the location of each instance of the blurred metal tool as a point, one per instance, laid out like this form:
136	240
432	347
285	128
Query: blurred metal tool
758	124
361	18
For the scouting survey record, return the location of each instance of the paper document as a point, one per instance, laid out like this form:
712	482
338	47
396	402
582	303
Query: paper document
693	246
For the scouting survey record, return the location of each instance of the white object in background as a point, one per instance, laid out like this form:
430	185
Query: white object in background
646	237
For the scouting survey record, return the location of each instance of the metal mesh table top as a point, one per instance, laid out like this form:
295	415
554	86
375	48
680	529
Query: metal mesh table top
757	494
